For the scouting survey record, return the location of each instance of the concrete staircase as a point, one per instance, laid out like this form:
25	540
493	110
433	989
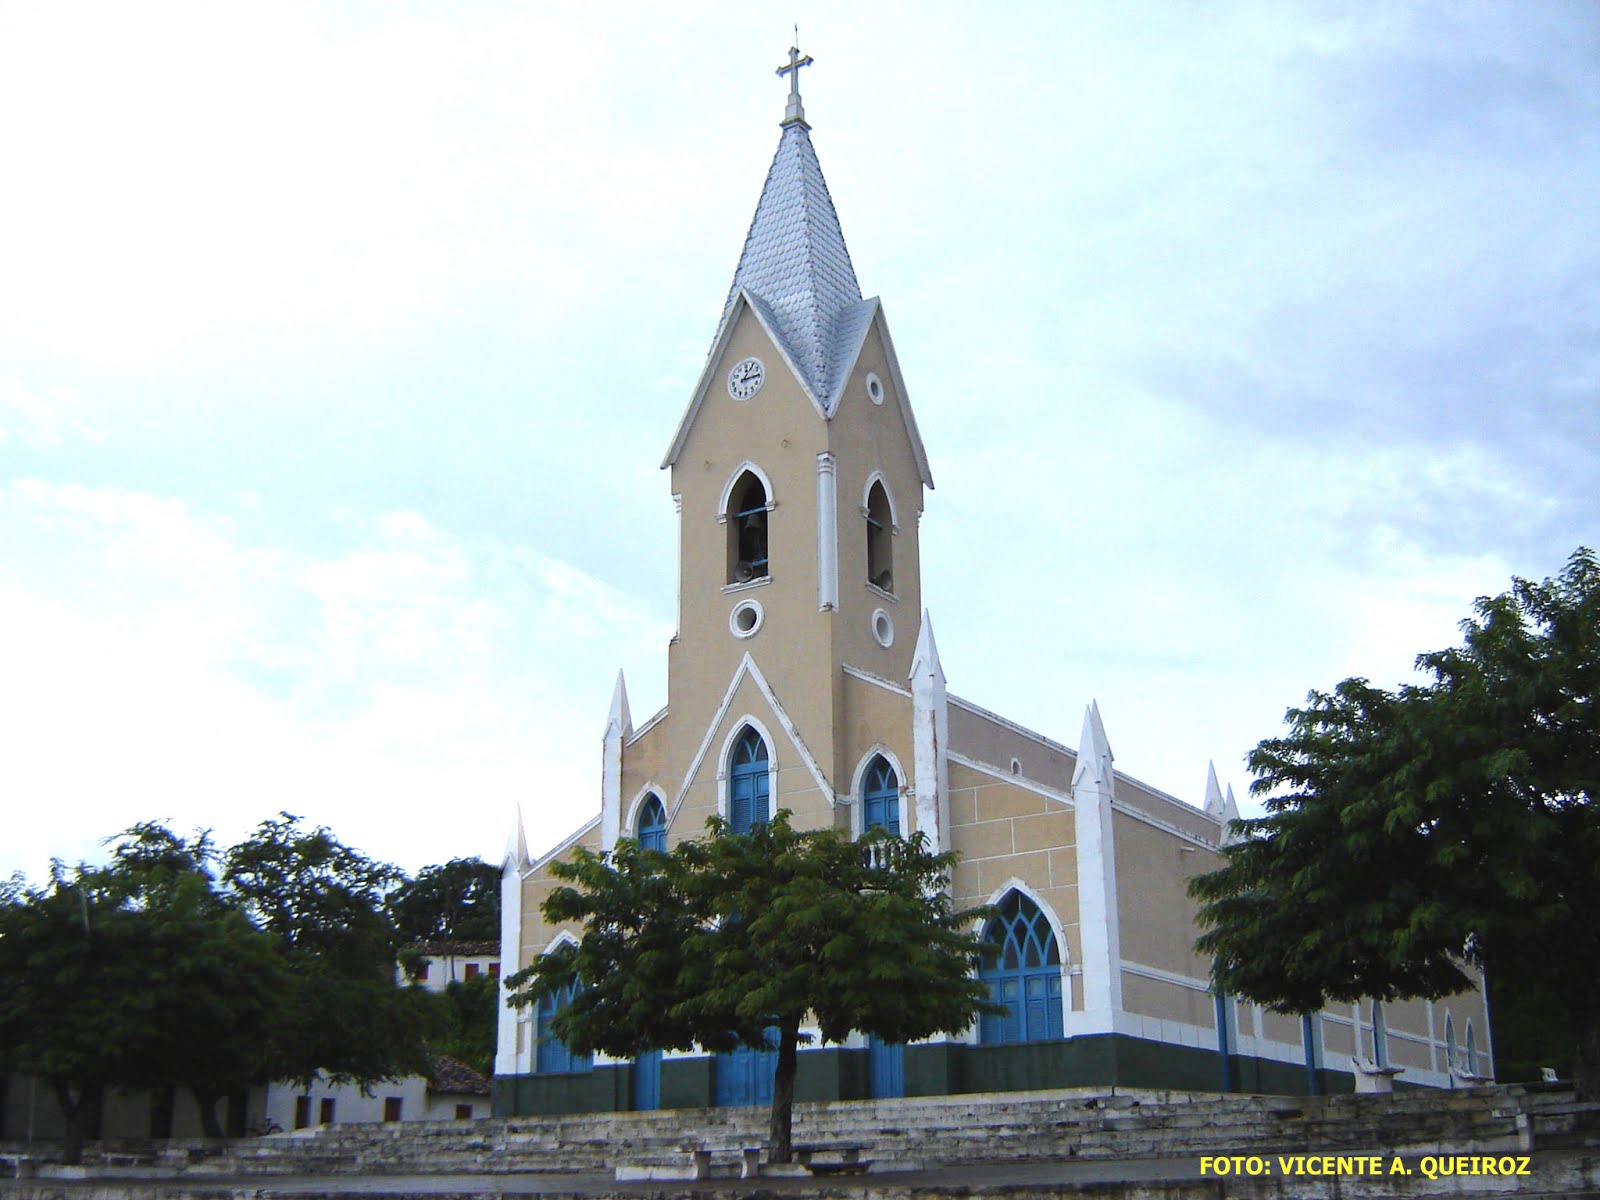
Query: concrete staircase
1011	1127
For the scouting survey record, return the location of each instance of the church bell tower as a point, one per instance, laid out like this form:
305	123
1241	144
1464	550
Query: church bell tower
798	469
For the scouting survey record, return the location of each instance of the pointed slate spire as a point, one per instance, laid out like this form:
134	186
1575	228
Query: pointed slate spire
1094	751
794	260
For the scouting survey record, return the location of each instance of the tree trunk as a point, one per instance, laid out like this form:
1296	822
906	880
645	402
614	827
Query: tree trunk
781	1129
1586	1062
206	1100
81	1112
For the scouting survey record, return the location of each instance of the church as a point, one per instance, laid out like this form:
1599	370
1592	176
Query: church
805	675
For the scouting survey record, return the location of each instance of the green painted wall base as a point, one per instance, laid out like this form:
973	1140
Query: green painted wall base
939	1069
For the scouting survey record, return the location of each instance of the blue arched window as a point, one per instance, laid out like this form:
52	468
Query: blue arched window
1025	975
880	797
747	783
652	824
554	1058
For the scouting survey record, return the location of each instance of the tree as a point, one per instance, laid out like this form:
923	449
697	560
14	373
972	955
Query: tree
462	1021
721	941
457	901
1414	833
137	974
323	902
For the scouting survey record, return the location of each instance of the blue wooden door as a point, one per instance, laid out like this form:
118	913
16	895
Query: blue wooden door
647	1081
887	1068
744	1077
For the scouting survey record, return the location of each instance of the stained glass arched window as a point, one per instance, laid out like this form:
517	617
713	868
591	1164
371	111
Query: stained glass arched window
1025	975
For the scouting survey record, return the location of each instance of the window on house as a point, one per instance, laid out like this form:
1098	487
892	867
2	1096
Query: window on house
747	530
553	1057
391	1108
463	1112
652	832
1024	976
325	1111
880	797
417	970
880	534
302	1112
472	970
494	970
747	783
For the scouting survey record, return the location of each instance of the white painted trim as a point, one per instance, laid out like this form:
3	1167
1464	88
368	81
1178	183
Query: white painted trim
753	606
882	626
878	476
709	373
748	666
1005	776
561	847
858	784
505	1055
918	452
724	807
1172	977
876	680
827	531
631	823
1032	736
738	474
647	726
562	936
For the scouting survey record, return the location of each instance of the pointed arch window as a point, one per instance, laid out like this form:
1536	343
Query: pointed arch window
553	1056
748	785
652	832
1472	1051
880	535
880	797
748	508
1025	975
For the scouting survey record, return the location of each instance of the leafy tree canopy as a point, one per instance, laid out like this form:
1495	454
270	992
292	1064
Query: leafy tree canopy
455	901
138	973
1412	833
324	903
721	940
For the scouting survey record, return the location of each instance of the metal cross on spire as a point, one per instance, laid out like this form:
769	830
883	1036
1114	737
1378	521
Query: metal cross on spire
795	114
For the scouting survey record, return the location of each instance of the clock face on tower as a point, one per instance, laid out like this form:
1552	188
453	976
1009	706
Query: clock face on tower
746	378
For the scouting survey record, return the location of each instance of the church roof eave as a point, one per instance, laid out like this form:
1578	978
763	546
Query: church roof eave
849	360
742	300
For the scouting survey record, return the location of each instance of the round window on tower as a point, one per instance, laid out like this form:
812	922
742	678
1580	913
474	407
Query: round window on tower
745	619
882	628
874	388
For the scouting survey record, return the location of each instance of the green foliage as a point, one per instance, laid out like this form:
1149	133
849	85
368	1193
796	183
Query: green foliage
323	902
721	939
455	901
138	973
1411	833
462	1020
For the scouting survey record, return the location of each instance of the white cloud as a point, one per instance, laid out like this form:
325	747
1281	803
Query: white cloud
406	691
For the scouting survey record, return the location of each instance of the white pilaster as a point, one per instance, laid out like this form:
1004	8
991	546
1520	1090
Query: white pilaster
1093	787
516	861
930	739
827	532
619	727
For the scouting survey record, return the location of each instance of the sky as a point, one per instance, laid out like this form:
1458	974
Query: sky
340	345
